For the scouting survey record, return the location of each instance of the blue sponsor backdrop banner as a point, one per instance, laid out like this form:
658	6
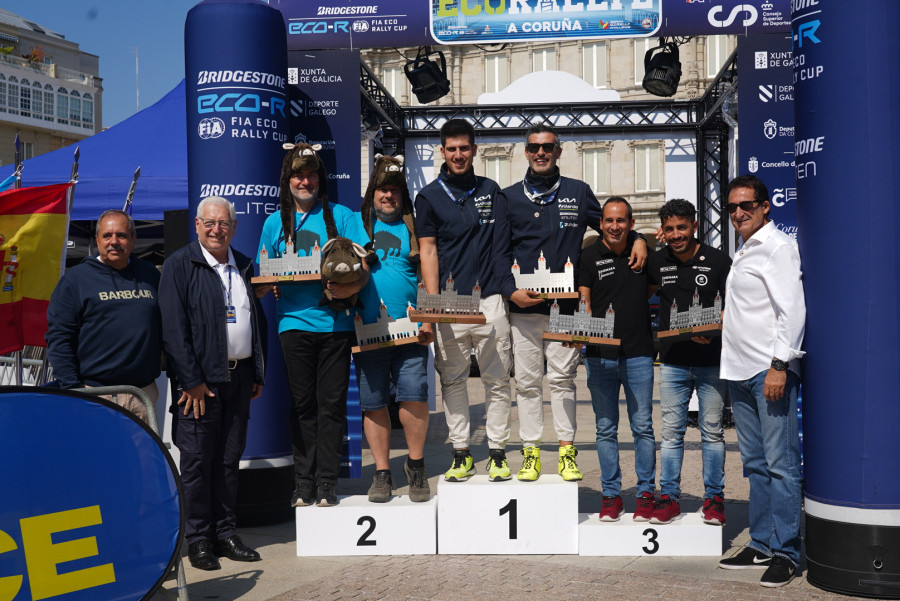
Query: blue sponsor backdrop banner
325	109
711	17
477	21
237	119
766	122
846	120
389	23
91	505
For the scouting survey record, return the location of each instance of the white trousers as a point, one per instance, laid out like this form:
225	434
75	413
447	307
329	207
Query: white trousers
490	341
530	350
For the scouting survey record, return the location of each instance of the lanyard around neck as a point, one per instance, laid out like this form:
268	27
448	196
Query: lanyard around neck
462	198
538	197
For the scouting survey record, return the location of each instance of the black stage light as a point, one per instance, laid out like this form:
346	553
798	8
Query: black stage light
429	80
662	71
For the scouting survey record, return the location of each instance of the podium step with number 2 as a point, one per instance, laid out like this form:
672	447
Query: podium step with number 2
512	517
357	527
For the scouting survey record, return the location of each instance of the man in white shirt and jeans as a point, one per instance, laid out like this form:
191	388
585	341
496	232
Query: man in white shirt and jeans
765	313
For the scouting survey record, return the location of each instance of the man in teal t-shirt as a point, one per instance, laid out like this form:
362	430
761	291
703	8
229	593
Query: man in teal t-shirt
387	219
314	339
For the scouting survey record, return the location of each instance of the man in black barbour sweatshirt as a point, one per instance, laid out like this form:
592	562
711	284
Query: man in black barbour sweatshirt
103	318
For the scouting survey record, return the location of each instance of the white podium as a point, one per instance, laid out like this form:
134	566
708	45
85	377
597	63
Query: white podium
357	527
483	517
686	536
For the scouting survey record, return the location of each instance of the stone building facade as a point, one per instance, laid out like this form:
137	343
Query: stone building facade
50	91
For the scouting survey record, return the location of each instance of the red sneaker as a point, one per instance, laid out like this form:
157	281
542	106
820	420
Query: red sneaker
667	509
645	506
714	511
612	509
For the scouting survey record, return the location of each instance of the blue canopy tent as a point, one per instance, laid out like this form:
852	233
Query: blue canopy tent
152	139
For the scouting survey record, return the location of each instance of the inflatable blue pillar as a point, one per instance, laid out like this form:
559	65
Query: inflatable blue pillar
237	120
847	134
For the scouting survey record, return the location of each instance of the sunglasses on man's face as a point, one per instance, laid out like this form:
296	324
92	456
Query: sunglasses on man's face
533	148
746	205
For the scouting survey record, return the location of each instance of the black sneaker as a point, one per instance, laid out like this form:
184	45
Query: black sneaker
304	494
382	485
327	495
779	573
747	559
419	491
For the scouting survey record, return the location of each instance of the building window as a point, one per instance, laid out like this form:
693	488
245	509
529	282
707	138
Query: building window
497	169
641	46
12	96
594	161
716	53
594	64
87	112
496	73
27	150
394	82
48	103
62	106
544	60
2	94
646	168
37	102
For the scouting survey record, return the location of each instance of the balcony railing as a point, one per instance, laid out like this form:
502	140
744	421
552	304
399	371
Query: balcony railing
51	70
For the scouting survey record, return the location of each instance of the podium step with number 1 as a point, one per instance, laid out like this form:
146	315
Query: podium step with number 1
512	517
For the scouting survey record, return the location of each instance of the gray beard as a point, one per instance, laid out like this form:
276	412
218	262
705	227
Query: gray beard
387	217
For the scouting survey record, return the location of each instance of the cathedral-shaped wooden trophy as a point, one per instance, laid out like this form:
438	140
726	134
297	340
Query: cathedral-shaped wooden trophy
582	327
696	321
546	283
449	306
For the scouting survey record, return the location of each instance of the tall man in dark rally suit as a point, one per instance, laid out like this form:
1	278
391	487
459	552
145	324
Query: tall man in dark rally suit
455	224
544	217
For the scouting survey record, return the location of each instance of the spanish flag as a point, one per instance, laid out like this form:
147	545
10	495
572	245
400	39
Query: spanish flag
33	231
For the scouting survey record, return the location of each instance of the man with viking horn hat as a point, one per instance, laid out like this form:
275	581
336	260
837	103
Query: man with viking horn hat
387	217
315	339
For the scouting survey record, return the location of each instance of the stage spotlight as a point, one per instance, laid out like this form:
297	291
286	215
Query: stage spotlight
429	80
662	71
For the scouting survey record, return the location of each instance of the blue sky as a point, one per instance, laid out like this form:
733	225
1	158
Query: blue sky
111	30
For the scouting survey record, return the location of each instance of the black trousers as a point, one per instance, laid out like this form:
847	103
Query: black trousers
318	374
211	449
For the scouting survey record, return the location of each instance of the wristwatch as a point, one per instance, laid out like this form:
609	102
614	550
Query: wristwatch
779	365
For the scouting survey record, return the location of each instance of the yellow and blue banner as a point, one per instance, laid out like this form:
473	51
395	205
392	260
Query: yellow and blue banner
33	229
91	504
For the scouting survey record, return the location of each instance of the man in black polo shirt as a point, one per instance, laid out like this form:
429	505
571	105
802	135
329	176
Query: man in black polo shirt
455	225
691	279
606	280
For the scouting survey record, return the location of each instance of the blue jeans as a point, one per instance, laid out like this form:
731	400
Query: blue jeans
405	366
676	383
635	374
770	450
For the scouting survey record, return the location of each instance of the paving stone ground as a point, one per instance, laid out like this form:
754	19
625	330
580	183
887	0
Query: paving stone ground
282	576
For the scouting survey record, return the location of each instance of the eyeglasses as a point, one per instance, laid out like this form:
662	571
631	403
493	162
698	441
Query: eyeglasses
548	147
746	205
211	223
